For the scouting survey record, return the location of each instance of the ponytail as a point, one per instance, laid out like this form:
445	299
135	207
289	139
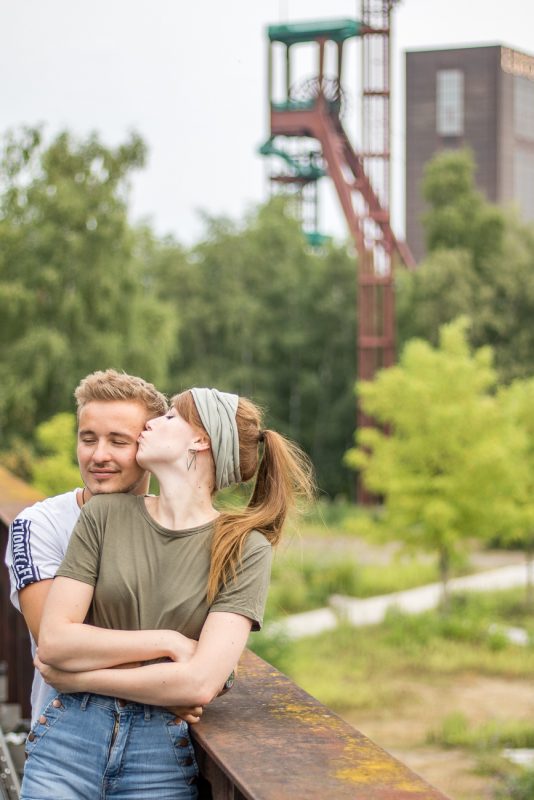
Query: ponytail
284	474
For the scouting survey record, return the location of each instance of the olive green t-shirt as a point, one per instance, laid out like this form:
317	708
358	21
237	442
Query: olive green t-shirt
149	577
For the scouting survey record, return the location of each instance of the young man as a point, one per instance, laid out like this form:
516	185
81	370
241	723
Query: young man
113	409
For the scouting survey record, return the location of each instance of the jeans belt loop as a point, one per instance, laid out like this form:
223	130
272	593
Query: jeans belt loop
85	700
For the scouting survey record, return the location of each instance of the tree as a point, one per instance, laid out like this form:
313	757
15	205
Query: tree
518	407
74	296
444	466
262	315
57	470
442	288
480	263
460	218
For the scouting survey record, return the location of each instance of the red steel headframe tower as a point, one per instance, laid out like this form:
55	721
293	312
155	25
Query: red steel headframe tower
311	110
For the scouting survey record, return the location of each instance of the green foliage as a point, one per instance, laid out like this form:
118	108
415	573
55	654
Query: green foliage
443	287
480	262
352	668
518	787
459	217
468	619
73	295
377	579
307	583
58	435
456	732
274	648
57	470
444	468
260	315
340	514
518	406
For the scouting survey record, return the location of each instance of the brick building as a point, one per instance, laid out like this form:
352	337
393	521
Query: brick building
481	97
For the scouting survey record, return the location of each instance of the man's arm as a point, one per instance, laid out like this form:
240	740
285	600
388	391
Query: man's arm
32	599
37	541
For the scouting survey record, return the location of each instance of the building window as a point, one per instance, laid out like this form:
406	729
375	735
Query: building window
524	107
450	102
524	182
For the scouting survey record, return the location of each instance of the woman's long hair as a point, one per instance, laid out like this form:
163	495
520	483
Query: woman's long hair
284	473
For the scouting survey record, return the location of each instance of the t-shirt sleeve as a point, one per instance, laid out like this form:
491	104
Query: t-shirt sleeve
82	559
33	552
247	593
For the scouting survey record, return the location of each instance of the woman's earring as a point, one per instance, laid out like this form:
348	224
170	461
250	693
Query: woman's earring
192	460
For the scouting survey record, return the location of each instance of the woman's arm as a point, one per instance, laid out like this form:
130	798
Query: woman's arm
194	682
67	643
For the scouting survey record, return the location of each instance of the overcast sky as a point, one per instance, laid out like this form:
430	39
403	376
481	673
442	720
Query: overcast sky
190	78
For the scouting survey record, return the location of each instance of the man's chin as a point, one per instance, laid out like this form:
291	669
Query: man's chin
114	487
106	487
117	483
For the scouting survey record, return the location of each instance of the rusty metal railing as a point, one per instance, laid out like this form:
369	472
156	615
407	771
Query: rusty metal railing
268	739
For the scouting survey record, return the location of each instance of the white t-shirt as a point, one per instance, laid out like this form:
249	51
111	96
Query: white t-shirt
38	540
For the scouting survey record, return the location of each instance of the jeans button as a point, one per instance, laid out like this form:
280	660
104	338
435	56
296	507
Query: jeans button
122	703
57	703
31	736
42	719
183	742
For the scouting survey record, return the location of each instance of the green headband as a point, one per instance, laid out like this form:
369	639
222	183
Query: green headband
217	410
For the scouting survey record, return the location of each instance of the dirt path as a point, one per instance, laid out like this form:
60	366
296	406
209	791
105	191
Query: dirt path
480	699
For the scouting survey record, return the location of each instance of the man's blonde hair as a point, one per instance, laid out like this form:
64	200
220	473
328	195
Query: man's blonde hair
112	385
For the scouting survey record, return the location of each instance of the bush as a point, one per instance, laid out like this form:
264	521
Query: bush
301	585
307	583
275	648
519	787
338	513
455	732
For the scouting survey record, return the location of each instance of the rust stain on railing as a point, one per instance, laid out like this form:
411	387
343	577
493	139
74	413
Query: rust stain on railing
273	741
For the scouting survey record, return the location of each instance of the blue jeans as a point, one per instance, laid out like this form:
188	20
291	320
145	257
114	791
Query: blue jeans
91	747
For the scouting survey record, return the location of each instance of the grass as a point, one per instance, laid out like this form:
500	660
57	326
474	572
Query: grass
487	742
517	787
455	731
364	668
306	582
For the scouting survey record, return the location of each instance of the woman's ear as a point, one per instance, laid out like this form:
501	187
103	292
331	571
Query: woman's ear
202	443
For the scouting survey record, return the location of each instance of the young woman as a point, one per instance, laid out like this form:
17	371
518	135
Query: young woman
166	580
